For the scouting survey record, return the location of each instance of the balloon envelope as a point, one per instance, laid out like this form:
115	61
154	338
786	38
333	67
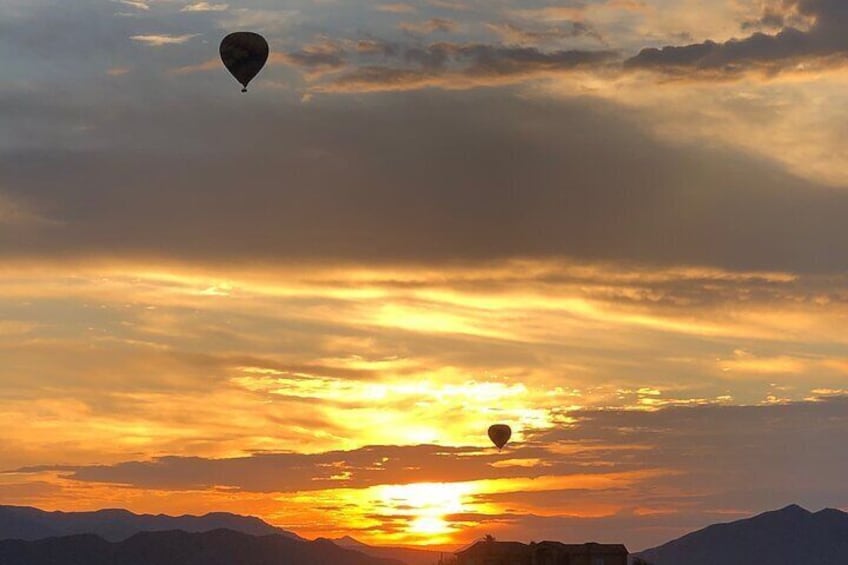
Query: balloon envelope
244	53
500	434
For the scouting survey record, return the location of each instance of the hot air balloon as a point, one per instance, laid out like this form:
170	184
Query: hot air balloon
500	434
244	53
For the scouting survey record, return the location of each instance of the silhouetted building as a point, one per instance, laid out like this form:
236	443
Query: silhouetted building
555	553
495	553
544	553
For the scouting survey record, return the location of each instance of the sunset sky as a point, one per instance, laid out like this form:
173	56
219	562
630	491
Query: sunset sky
619	226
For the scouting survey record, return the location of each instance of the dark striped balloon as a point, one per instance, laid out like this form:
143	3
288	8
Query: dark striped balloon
244	53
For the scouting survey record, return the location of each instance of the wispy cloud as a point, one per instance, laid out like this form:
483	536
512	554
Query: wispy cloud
396	8
520	35
429	26
315	57
205	7
138	4
162	40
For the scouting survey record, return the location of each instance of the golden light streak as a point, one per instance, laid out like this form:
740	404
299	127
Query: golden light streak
423	511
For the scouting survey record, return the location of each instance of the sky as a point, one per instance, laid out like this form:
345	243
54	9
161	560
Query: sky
617	226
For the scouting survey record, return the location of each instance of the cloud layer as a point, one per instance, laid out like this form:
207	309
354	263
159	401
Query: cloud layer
638	476
788	48
414	178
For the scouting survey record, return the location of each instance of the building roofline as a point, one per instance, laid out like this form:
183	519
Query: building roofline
594	546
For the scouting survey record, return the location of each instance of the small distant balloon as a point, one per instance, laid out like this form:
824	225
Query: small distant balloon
500	434
244	53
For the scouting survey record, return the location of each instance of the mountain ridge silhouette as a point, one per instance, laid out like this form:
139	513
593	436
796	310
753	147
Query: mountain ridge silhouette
117	524
216	547
787	536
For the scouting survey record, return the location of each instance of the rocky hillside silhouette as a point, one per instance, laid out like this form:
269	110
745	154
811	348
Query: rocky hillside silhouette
788	536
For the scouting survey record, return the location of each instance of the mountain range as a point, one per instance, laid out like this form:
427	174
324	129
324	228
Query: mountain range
26	523
29	536
116	525
789	536
217	547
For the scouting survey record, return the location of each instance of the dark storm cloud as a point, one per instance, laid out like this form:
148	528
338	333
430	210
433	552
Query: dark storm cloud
826	37
412	177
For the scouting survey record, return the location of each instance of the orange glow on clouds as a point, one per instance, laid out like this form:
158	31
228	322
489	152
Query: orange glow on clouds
144	364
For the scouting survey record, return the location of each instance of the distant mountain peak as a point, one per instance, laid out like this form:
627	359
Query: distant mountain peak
829	511
348	541
794	508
